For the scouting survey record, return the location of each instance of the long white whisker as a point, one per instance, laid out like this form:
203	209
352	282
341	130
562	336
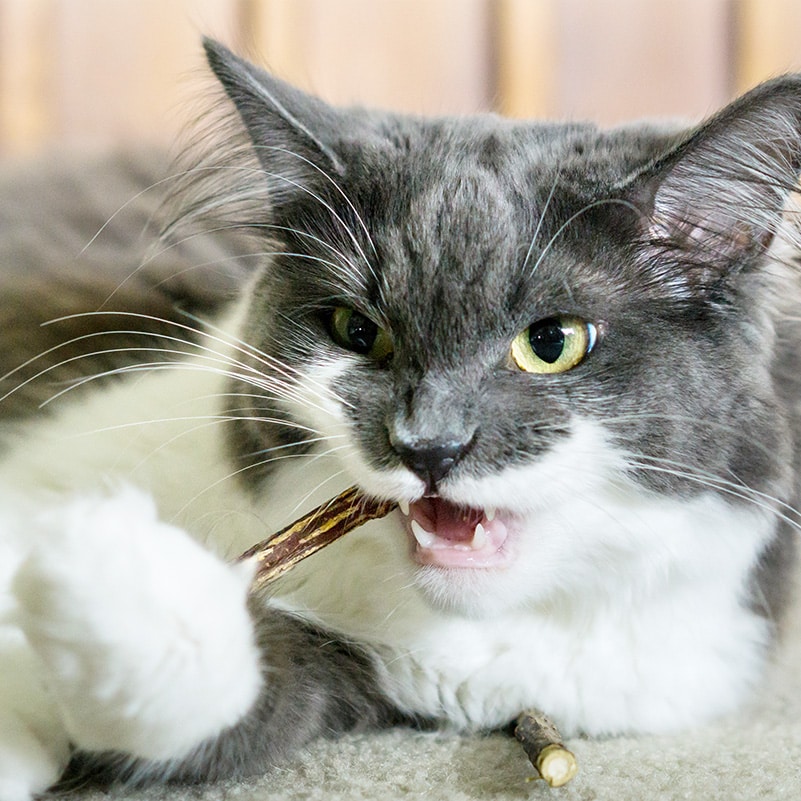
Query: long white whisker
246	468
743	492
354	240
573	217
541	220
287	370
282	391
122	208
336	186
227	340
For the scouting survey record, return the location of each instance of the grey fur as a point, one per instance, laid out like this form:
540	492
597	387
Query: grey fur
456	234
77	239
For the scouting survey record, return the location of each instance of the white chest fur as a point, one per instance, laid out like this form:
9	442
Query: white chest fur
648	640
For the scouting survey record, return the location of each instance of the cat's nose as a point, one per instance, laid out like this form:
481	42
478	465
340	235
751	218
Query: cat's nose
431	460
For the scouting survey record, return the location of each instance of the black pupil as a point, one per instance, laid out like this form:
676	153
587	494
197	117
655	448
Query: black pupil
547	339
361	333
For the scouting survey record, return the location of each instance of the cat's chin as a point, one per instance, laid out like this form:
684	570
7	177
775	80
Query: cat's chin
468	593
445	535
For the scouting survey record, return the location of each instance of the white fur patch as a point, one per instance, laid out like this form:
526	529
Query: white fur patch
144	635
34	746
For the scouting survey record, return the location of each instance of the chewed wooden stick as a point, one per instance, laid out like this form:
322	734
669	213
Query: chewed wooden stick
543	744
320	527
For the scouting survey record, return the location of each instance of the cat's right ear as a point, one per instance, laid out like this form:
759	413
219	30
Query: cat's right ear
294	135
713	204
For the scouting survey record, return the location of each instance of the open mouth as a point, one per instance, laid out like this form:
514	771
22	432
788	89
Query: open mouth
448	535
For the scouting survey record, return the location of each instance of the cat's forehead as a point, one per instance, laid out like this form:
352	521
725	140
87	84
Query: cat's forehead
484	184
419	154
468	211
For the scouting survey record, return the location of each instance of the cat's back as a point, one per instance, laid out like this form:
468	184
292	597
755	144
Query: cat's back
84	283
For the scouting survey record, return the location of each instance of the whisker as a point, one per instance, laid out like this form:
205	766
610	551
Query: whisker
339	189
541	219
353	238
227	340
741	491
285	392
573	217
325	391
246	468
347	265
306	441
121	209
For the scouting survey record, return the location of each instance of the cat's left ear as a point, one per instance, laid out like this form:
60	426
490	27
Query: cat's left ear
297	137
716	200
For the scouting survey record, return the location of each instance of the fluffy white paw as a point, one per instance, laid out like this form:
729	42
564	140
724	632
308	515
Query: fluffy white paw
33	743
145	636
30	759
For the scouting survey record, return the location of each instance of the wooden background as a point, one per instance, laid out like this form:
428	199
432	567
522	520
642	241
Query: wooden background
91	73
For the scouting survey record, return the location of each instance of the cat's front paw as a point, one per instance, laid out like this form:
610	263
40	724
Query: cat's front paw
34	747
31	756
145	636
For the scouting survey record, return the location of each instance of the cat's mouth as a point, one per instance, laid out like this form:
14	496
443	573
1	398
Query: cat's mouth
447	535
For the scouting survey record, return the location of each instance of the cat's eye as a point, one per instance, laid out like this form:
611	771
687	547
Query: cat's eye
553	345
353	331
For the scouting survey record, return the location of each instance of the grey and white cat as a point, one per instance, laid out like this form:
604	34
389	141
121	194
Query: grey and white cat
572	356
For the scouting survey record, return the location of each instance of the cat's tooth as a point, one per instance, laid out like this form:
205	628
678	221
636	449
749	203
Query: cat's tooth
489	513
424	538
404	507
479	538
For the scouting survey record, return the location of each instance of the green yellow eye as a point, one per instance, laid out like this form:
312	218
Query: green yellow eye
354	331
553	345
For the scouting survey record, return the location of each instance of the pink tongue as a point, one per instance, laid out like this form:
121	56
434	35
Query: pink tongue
446	535
453	522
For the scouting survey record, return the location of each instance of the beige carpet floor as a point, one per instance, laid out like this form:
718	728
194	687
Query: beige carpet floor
755	754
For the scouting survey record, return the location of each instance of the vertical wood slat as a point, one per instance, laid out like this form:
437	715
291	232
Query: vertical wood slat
123	66
768	40
89	73
527	54
25	102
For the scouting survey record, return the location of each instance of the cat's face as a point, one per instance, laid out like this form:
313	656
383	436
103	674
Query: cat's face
514	331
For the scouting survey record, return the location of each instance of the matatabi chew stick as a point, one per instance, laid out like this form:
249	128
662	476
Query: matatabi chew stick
313	531
543	744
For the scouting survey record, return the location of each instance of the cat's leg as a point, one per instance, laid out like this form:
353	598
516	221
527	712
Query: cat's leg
34	746
144	635
162	668
315	685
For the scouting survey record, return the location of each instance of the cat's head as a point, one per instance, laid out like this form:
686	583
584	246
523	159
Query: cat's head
505	325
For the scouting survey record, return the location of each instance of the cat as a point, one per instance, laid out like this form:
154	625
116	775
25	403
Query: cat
571	357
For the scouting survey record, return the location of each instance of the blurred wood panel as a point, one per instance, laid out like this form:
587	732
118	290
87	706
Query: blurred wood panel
420	56
25	67
768	40
612	60
91	73
121	63
670	58
98	72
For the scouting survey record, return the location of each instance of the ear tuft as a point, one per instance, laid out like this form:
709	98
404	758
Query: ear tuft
275	114
716	200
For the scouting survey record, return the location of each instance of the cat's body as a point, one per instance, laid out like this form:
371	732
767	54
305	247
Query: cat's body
608	499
